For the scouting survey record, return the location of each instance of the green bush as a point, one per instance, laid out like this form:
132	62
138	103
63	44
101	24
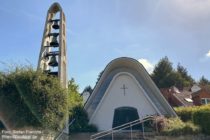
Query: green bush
38	100
185	113
202	118
76	110
176	127
199	115
81	121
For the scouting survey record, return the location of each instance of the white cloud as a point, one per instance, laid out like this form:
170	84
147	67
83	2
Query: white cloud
208	54
148	65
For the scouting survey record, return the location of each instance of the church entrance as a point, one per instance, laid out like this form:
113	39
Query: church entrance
124	115
2	127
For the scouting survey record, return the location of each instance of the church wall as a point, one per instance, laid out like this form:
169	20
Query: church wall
115	97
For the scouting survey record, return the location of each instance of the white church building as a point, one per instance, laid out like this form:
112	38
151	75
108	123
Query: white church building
125	92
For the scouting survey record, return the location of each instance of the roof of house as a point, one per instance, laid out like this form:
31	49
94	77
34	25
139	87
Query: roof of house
203	88
184	97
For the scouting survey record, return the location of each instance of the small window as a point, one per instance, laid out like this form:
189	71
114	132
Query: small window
208	100
205	101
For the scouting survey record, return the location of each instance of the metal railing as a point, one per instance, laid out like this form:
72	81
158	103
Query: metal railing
67	126
124	126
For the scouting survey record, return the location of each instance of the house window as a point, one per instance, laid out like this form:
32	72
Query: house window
205	101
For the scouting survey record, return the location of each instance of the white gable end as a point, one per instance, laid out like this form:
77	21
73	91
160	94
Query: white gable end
123	91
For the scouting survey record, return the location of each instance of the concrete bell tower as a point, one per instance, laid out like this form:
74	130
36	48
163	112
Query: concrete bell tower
52	57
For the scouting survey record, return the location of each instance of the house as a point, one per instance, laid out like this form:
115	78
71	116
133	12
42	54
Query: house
201	96
188	96
177	97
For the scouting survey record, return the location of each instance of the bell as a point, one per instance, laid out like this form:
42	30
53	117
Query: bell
53	62
53	73
54	42
55	25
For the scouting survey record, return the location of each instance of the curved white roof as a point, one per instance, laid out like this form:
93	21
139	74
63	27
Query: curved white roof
132	66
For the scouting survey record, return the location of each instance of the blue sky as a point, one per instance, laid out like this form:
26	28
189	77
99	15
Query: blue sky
99	31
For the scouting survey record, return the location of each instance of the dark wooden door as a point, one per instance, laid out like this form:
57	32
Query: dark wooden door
124	115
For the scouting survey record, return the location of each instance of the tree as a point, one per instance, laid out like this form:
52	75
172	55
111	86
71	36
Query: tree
165	76
81	121
75	99
72	86
76	110
187	80
88	89
162	73
203	81
99	76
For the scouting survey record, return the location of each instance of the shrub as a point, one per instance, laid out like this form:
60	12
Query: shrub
176	127
158	123
81	121
38	100
199	115
185	113
202	118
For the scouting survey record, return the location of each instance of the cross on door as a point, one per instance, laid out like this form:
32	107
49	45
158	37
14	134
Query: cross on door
124	88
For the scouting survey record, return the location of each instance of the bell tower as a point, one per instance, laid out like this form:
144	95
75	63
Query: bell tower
52	57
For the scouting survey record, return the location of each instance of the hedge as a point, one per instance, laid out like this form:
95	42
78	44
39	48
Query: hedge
199	115
37	100
202	118
186	113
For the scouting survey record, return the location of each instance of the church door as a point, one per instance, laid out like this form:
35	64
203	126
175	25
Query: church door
124	115
2	126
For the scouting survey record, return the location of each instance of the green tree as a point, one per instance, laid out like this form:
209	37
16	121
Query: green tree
75	99
203	81
81	121
88	89
162	73
165	76
99	76
76	110
187	80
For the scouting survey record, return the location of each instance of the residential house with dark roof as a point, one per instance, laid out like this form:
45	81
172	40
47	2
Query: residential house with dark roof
201	96
188	96
177	97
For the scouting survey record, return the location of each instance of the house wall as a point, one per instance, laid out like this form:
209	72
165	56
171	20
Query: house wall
196	100
201	94
114	97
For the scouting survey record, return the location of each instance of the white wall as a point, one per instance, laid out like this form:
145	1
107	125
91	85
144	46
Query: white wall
114	98
85	96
